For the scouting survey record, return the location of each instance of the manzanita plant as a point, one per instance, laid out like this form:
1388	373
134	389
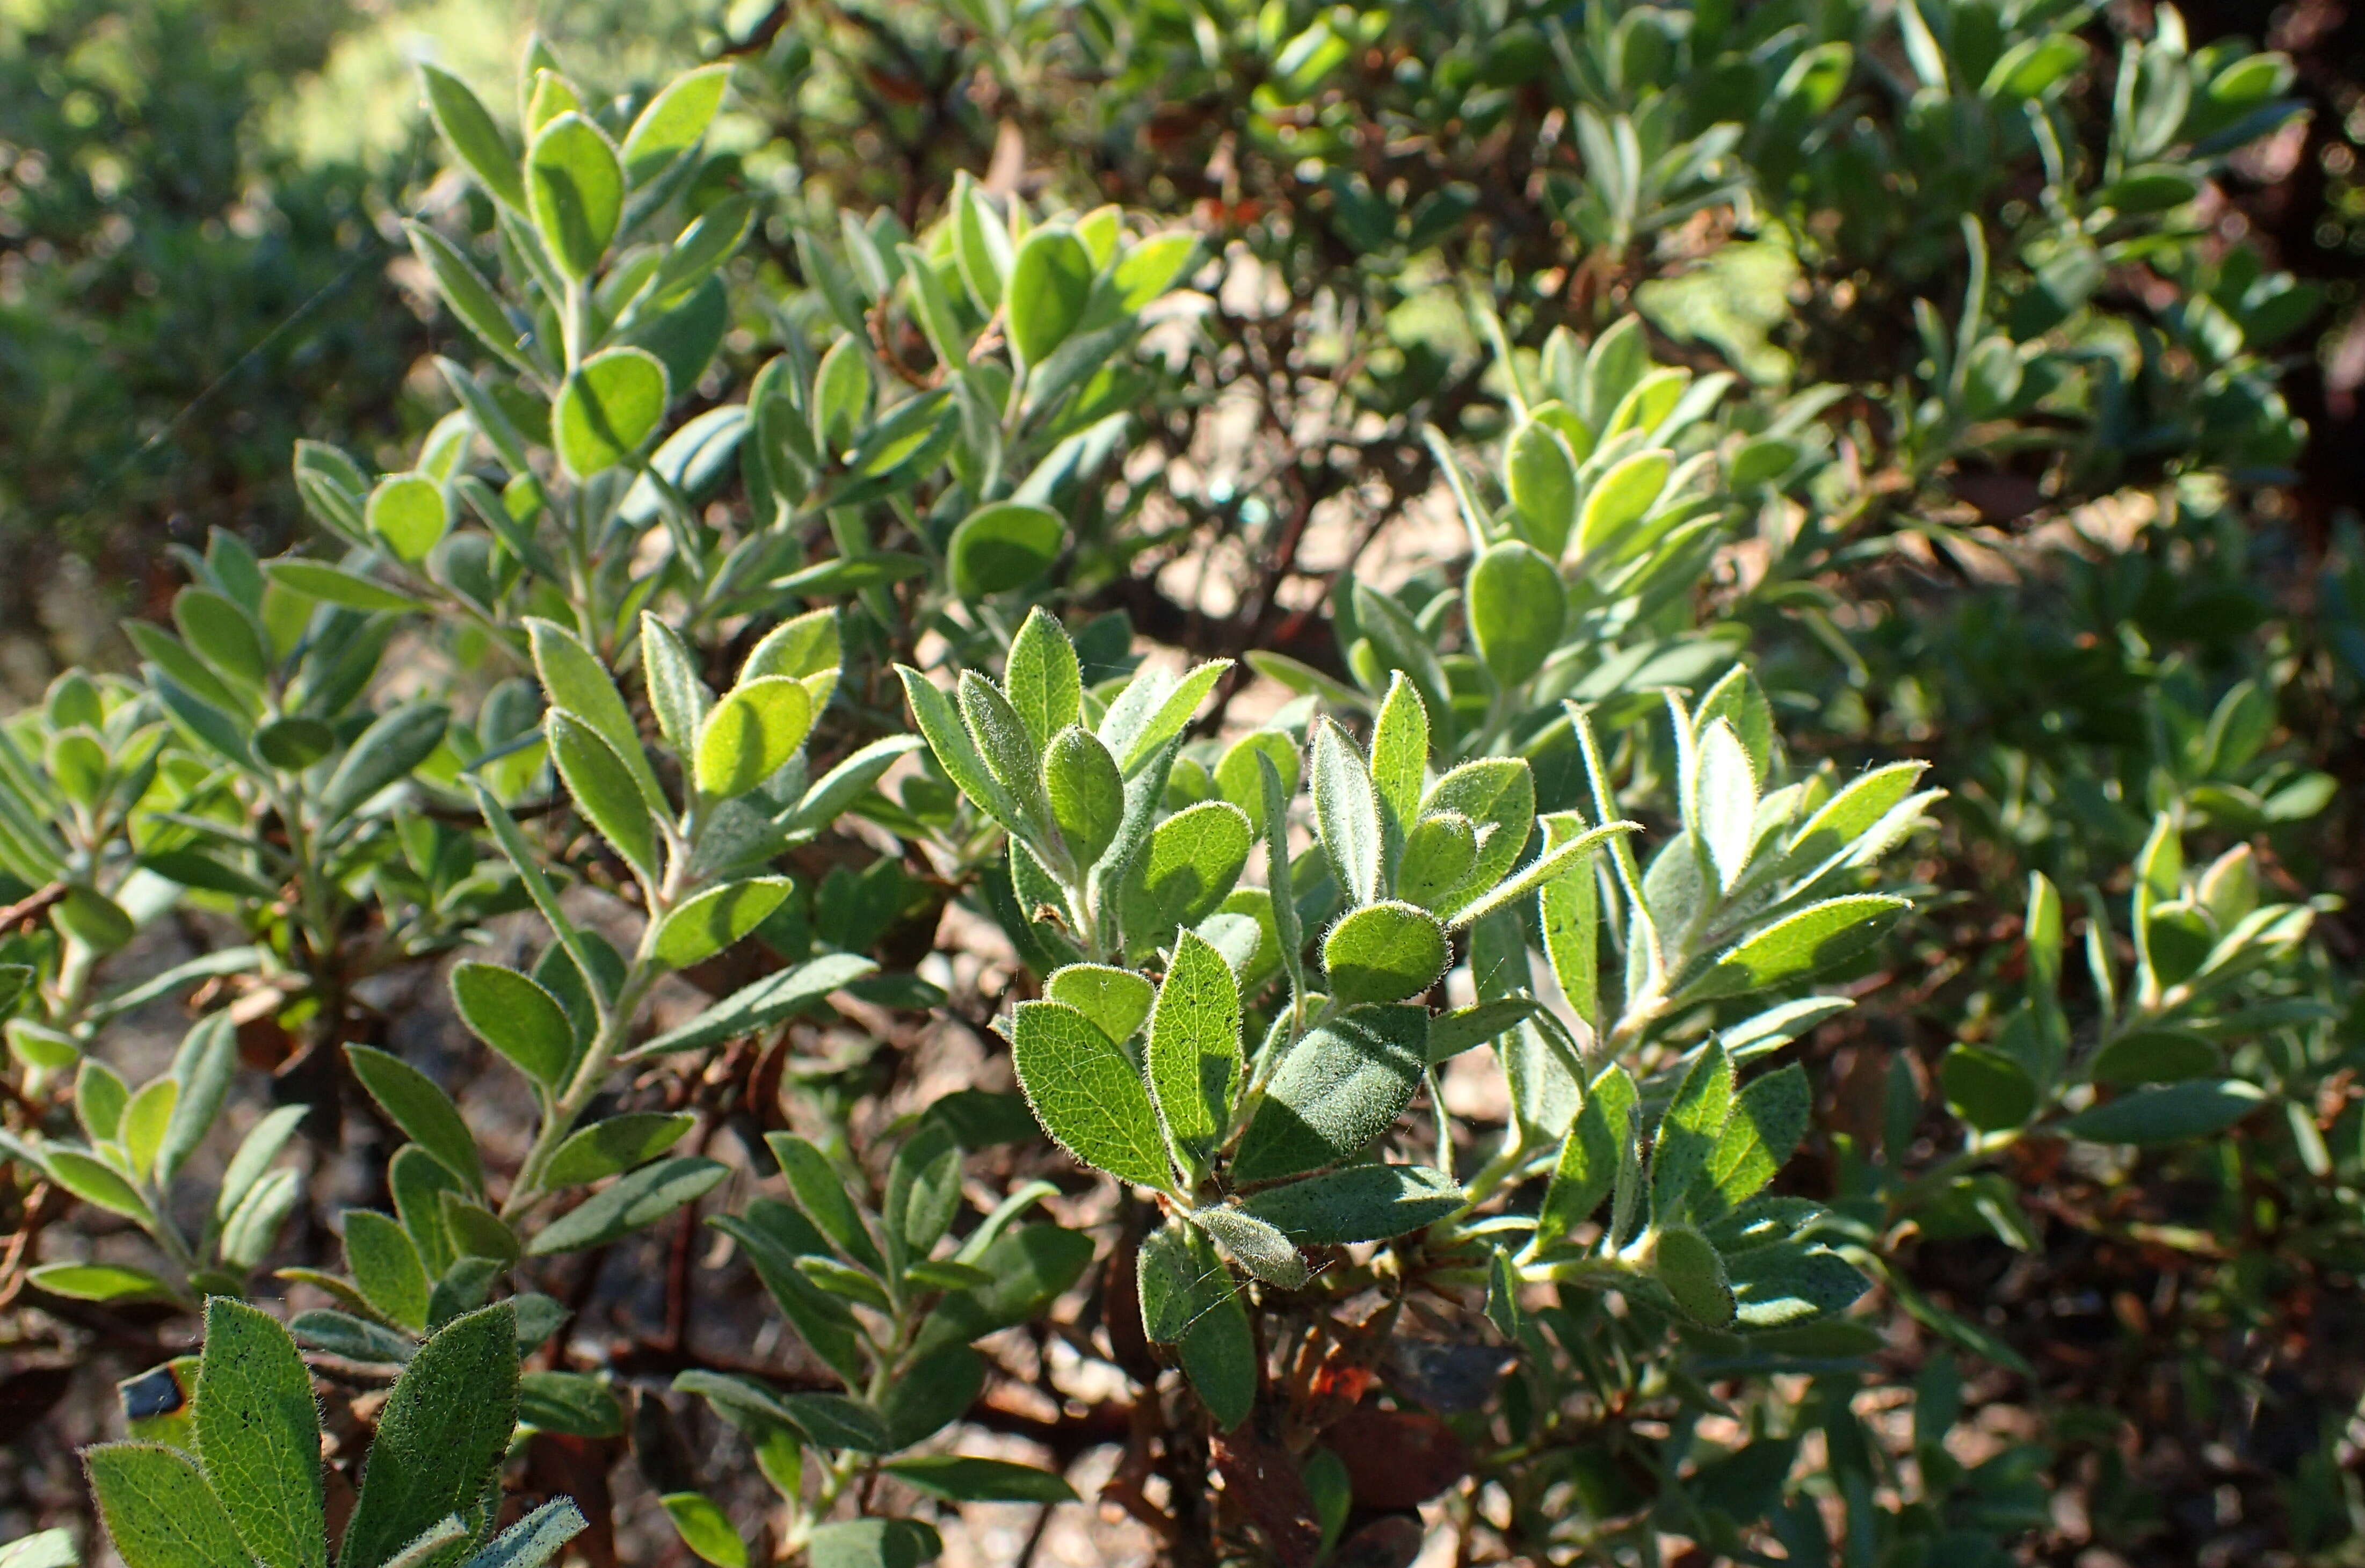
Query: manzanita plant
1385	1021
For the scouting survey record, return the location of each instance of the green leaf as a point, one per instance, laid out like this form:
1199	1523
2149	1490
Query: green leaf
1087	1093
1237	773
923	1195
396	741
766	1002
468	129
517	1017
1726	801
1050	280
752	734
330	585
673	122
1289	935
834	1420
616	1145
1688	1266
1042	678
1498	795
204	1065
718	918
961	1479
442	1432
1450	1034
1690	1131
92	919
775	1236
470	298
475	1232
1437	857
1787	1284
159	1510
415	1105
95	1182
1346	812
1001	546
705	1528
1008	750
937	1391
534	1540
822	1195
386	1266
1195	1048
1569	909
1031	1266
259	1435
98	1281
1986	1087
680	697
873	1543
249	1230
1589	1155
949	740
1117	1001
1383	952
341	1334
100	1099
1149	268
1219	1357
1174	707
1621	498
640	1198
1341	1086
2155	1056
1767	1124
255	1152
1362	1202
1181	1278
219	730
1399	762
1847	815
607	412
1181	875
603	791
2168	1112
1517	606
1257	1245
575	680
574	191
42	1549
981	244
409	512
1085	791
1801	944
1540	473
294	743
223	633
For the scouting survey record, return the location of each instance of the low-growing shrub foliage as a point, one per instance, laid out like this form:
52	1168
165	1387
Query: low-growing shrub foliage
1484	1031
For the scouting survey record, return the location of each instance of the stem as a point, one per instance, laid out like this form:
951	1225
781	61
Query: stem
615	1021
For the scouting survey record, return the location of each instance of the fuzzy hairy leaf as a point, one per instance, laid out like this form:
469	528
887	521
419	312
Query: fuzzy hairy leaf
1362	1202
1383	952
1087	1093
1341	1086
159	1510
1347	813
443	1430
259	1435
1194	1047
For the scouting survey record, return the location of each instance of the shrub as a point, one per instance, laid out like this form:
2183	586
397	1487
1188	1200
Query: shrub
1392	1105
